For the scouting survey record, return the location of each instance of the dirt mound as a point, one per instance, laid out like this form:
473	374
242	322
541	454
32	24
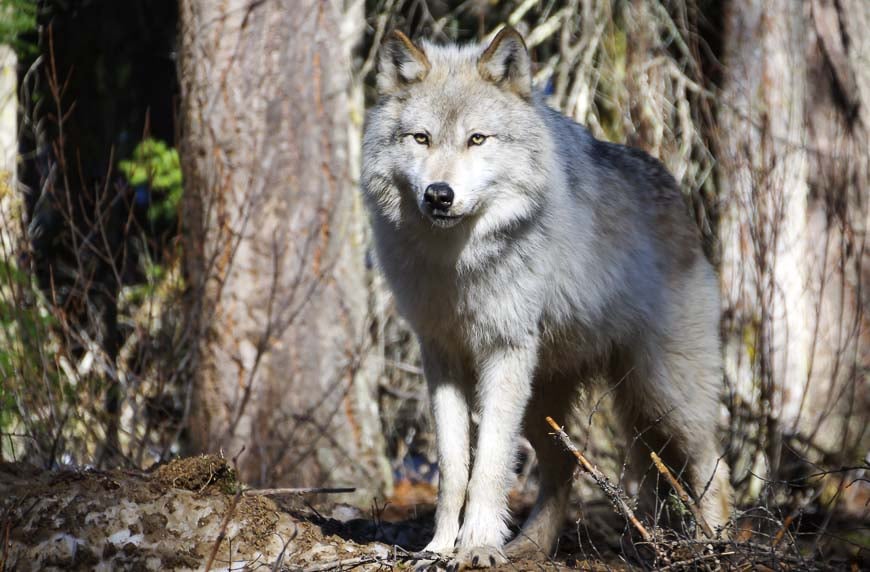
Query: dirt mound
198	474
180	517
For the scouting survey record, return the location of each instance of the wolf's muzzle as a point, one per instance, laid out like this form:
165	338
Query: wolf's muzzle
438	196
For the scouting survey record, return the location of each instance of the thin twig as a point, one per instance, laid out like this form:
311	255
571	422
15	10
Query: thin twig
349	563
783	529
299	491
342	564
6	546
695	561
688	502
614	493
223	532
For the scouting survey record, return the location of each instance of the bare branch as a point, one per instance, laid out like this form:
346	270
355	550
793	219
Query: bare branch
684	496
299	491
616	495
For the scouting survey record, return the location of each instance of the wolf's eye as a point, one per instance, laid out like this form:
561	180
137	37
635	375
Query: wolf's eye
421	138
476	139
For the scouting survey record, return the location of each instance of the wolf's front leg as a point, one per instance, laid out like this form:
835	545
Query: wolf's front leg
504	390
448	393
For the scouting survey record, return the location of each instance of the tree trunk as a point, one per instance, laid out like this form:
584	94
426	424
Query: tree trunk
795	179
10	200
11	207
274	245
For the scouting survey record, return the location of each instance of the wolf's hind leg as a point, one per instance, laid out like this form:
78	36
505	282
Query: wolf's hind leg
555	469
670	406
451	412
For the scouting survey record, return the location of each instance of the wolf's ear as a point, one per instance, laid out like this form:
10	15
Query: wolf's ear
400	63
506	62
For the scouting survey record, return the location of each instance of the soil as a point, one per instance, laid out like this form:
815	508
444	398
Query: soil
177	518
193	514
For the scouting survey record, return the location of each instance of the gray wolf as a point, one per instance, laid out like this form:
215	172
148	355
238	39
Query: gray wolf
530	258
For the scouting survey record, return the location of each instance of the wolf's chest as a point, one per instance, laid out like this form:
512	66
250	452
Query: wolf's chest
473	311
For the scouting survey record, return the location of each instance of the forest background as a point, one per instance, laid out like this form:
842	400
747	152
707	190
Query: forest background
185	263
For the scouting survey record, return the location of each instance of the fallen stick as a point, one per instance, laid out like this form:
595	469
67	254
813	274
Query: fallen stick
692	563
223	530
345	564
779	534
687	501
614	493
384	561
301	491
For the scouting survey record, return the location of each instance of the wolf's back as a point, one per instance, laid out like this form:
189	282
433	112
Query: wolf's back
628	190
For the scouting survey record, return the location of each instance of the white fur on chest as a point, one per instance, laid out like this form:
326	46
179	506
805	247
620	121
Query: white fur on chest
498	303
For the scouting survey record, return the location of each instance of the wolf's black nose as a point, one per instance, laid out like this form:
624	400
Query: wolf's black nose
438	195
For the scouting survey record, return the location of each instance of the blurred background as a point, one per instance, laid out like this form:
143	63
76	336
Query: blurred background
185	265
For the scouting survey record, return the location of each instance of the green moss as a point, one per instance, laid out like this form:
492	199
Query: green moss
156	165
18	18
750	340
612	82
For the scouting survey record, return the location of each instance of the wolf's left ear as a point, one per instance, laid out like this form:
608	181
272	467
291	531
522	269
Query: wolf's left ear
400	62
506	62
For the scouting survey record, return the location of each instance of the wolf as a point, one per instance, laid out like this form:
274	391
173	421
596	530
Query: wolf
530	258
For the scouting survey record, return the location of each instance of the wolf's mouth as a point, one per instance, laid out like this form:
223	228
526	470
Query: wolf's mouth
444	220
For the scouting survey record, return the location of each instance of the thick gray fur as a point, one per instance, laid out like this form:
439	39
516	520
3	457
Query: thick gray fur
561	259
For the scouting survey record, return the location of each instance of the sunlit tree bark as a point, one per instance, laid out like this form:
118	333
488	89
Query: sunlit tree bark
795	179
10	201
274	244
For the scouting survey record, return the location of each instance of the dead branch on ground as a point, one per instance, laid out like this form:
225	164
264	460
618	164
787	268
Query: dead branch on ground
687	501
223	530
616	495
299	491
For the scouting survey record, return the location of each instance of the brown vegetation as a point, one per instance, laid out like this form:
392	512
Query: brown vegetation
250	324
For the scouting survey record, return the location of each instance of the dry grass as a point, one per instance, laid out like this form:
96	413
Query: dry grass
95	369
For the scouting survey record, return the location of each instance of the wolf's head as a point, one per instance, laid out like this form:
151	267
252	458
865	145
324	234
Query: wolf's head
456	137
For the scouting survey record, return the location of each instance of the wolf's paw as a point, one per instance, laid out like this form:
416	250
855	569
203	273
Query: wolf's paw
429	565
432	560
439	547
523	546
477	557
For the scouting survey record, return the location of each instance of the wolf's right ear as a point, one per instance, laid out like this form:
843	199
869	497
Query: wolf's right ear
400	63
